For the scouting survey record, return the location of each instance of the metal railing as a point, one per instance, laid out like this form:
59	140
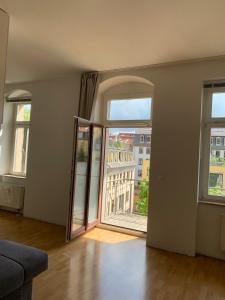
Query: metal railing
121	196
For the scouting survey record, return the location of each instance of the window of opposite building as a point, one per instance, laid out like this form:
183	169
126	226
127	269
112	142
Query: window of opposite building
140	161
212	186
218	141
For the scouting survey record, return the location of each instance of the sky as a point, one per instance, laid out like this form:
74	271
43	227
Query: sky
126	109
218	105
140	109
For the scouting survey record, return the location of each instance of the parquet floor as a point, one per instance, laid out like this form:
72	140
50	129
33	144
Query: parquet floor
105	265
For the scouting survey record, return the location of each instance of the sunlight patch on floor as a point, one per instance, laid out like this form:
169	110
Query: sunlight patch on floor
107	236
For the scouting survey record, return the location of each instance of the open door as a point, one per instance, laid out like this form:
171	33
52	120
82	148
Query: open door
86	177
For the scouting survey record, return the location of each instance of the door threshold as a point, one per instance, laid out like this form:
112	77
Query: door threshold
136	233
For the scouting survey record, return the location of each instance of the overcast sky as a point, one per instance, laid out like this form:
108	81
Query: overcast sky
135	109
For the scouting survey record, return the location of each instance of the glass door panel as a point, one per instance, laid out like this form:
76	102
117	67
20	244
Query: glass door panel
95	175
85	178
80	178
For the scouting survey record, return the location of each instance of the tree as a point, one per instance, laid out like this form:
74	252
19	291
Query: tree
142	202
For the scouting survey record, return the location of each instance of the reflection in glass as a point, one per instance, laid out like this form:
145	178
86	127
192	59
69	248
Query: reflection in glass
216	180
82	154
95	174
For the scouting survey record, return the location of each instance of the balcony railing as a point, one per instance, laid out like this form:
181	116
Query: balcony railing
123	196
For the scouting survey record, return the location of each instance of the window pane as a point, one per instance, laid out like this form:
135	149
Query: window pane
23	112
216	182
218	105
130	109
19	151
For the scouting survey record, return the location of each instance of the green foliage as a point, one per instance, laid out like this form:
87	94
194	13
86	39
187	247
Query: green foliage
217	160
142	202
216	191
26	112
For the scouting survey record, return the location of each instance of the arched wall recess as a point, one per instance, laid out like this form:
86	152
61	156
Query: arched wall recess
18	95
123	86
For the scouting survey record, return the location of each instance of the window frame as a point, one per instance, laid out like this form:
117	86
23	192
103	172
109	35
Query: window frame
149	150
141	150
140	161
26	126
208	123
142	139
218	138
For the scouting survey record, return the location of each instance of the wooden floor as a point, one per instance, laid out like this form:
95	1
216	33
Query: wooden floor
112	266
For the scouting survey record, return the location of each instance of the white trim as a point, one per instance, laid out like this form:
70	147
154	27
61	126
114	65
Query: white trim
208	124
14	176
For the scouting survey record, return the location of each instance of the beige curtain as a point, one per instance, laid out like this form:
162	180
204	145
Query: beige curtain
88	93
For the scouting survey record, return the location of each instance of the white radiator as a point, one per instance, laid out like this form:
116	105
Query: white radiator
11	196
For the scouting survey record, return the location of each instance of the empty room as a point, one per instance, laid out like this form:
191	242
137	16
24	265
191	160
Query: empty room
112	150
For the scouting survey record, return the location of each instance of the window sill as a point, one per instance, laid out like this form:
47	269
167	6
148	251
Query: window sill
14	176
218	203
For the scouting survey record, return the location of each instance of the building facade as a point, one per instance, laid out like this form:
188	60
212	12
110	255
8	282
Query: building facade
142	151
119	182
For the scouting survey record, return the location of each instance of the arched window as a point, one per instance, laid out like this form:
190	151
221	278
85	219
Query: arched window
124	106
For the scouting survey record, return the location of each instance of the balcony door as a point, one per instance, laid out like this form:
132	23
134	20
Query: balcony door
127	161
85	178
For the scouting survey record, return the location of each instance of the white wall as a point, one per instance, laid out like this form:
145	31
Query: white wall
176	221
125	90
209	230
54	103
4	28
175	153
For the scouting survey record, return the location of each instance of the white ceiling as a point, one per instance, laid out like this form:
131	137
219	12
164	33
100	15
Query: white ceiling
51	38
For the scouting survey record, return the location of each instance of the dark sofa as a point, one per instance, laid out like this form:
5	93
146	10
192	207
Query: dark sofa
19	264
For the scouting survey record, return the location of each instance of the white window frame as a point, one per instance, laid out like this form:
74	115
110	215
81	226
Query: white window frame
208	123
122	123
26	126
